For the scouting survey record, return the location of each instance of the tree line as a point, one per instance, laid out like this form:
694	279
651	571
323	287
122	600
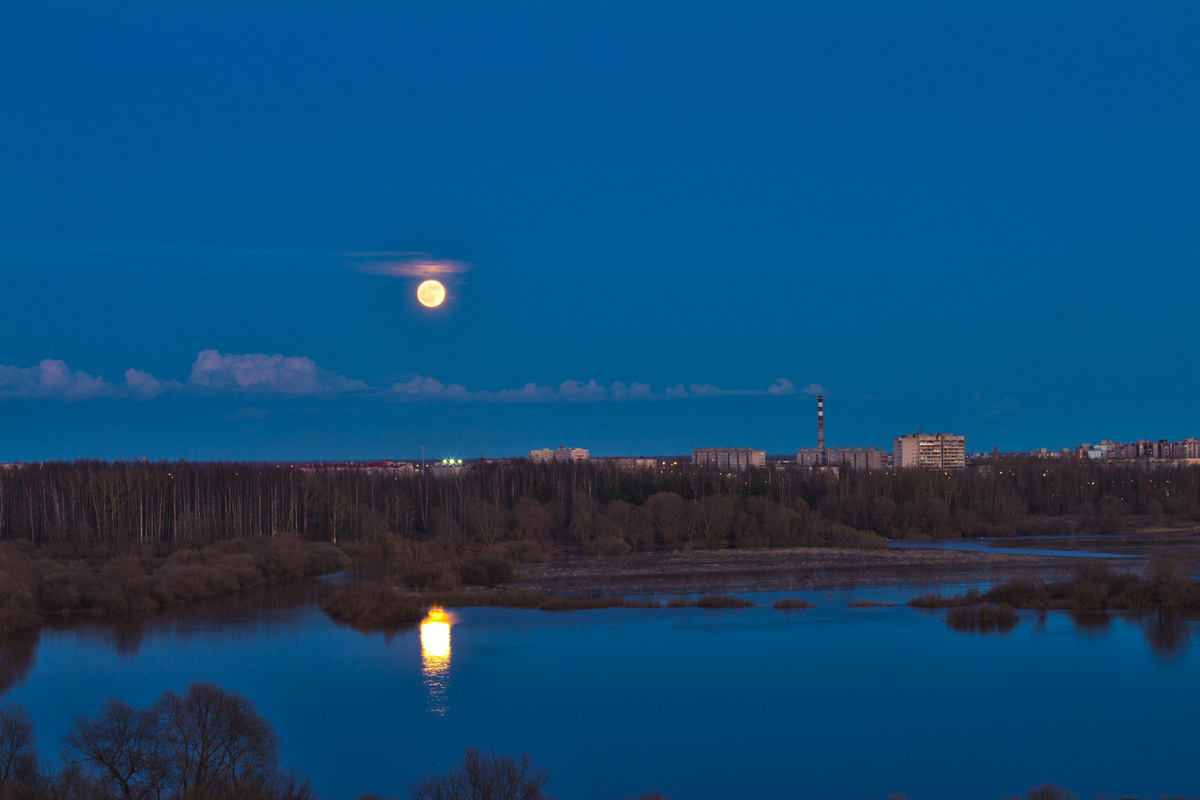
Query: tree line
87	504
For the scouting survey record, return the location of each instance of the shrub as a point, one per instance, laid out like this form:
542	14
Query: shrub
372	606
58	593
486	777
870	604
721	601
18	611
1020	593
419	577
483	570
970	597
790	603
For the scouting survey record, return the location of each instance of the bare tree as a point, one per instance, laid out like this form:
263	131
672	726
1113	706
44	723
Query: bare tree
531	521
215	742
122	747
486	777
485	523
208	743
16	740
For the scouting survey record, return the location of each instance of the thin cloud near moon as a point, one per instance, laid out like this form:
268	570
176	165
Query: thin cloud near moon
409	265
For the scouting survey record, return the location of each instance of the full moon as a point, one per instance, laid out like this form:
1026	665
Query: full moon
431	294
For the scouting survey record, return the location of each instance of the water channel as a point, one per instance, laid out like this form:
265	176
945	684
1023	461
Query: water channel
832	701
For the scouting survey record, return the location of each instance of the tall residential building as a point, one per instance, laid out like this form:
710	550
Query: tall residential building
733	459
931	451
1188	448
548	456
848	457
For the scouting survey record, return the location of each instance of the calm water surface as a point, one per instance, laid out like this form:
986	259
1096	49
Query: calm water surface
1043	546
828	702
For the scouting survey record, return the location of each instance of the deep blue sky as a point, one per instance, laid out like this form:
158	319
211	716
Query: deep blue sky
980	218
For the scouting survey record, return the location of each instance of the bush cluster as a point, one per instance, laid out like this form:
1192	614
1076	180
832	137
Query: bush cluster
1166	584
34	586
792	603
373	606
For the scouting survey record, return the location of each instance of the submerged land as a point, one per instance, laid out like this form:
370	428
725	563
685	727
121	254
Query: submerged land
778	569
104	540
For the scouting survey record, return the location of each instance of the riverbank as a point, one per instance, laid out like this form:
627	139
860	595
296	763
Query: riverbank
781	569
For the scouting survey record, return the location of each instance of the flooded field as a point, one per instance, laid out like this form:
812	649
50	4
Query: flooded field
831	701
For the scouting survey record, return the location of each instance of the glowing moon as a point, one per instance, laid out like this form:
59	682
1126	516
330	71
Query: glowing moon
431	294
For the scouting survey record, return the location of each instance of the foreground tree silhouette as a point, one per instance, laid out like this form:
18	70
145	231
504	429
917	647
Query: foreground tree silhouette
209	743
121	749
16	741
486	777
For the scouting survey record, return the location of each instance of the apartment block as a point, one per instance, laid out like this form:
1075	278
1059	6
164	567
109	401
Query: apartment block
931	451
561	455
731	459
847	457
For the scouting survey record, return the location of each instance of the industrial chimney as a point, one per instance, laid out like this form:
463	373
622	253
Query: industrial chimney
821	427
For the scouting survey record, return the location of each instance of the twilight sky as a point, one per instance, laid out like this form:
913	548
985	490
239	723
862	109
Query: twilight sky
680	218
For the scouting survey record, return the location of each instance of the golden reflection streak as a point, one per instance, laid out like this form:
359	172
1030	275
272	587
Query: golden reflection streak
435	658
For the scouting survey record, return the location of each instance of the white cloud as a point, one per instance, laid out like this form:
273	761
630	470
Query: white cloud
146	386
53	379
783	386
259	372
812	388
529	393
420	387
50	379
575	391
707	390
634	391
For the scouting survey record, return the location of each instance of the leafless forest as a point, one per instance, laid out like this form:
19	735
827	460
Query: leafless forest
88	504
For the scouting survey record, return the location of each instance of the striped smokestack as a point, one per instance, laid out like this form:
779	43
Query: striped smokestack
821	423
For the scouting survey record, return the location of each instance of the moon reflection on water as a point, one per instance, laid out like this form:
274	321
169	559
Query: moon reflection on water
435	659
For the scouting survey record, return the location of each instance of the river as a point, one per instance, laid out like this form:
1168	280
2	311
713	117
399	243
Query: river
832	701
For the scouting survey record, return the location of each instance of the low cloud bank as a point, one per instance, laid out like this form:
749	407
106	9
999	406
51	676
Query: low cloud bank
214	373
572	391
